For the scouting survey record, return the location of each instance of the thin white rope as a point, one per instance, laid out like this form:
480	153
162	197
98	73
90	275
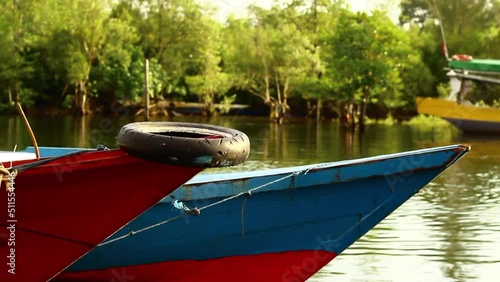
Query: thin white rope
196	211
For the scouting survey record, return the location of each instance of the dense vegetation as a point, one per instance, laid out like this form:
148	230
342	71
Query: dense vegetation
314	56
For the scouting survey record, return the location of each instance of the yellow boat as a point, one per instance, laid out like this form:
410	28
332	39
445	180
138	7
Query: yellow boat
455	109
468	118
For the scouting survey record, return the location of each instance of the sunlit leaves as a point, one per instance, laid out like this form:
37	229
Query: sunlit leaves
270	53
368	53
211	82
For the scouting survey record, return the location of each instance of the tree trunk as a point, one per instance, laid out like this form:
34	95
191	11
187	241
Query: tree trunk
63	94
286	90
76	99
352	113
209	108
278	90
310	108
318	109
83	83
16	91
80	98
347	116
272	109
362	113
278	111
84	101
10	95
267	94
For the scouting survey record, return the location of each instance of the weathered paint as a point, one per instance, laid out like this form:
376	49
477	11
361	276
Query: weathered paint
326	209
294	266
66	207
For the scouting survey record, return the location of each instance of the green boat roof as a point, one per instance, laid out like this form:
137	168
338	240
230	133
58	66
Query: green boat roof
477	65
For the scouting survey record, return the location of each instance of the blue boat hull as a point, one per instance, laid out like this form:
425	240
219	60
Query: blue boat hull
291	223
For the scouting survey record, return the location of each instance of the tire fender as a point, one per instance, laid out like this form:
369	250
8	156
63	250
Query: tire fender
187	144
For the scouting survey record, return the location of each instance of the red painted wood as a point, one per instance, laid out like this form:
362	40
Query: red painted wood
294	266
66	207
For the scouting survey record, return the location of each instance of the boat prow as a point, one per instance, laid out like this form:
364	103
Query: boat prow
57	208
280	224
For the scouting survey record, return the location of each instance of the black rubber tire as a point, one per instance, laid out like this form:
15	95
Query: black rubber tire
187	144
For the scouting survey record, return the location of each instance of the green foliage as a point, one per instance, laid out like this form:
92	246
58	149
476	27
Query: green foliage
416	76
15	39
464	21
444	90
65	57
116	81
59	52
484	94
368	53
225	104
174	33
210	82
470	27
270	55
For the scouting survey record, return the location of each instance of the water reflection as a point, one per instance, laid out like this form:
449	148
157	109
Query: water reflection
465	201
448	232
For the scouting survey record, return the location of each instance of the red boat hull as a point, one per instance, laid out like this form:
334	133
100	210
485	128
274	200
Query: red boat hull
61	210
294	266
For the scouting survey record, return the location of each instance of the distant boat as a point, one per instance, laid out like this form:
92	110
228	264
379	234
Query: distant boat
60	206
468	118
456	109
280	224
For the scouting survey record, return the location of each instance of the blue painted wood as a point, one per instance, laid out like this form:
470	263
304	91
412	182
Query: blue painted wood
51	151
318	207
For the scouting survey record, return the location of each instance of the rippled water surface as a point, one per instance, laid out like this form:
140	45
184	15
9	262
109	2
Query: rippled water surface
450	231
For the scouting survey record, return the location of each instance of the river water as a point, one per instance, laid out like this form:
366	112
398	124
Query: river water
450	231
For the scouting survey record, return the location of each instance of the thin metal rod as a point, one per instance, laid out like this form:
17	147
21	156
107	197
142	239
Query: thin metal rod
442	30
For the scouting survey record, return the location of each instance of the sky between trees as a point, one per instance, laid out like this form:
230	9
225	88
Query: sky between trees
239	7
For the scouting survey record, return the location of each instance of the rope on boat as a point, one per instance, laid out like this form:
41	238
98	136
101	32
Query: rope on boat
31	165
249	192
196	211
8	175
140	230
11	175
289	195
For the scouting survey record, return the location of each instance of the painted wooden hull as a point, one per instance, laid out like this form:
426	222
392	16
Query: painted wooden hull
294	221
62	209
469	119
